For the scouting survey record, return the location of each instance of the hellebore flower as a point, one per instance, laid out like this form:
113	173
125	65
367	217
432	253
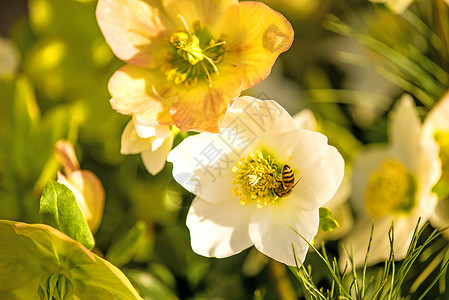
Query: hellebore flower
39	262
392	184
338	205
153	144
260	181
85	185
436	126
186	60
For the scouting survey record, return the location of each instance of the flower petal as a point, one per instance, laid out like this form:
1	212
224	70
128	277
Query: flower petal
134	29
319	167
154	159
132	143
202	165
150	131
142	92
208	12
305	119
274	231
89	194
203	107
219	229
262	36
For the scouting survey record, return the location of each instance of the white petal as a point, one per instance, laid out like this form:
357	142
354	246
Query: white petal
437	118
319	167
131	142
154	160
202	165
305	119
264	118
274	231
219	229
145	131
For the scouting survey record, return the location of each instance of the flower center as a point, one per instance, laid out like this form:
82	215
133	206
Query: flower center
391	189
194	56
257	178
55	286
442	139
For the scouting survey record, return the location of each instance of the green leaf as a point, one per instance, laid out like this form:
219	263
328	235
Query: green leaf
125	248
327	223
60	210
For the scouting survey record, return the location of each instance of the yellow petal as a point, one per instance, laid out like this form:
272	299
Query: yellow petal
65	154
207	12
262	36
203	107
142	92
134	29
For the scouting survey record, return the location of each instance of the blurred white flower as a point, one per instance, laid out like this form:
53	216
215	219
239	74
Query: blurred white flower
338	205
397	6
152	142
436	126
244	198
9	57
85	185
393	184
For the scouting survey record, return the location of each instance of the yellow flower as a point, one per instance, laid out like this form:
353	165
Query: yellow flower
187	59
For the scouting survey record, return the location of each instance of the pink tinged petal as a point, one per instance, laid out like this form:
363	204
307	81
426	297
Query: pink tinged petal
89	194
154	159
206	11
144	93
262	36
202	165
274	231
135	30
319	167
219	229
203	107
65	154
132	143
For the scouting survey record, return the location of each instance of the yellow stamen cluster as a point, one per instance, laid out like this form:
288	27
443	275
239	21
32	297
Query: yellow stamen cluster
442	139
194	57
257	176
390	190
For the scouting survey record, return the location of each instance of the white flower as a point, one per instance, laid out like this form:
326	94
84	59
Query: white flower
236	176
436	126
393	184
338	205
397	6
85	185
152	142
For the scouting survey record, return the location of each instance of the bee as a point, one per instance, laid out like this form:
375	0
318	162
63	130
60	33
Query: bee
287	183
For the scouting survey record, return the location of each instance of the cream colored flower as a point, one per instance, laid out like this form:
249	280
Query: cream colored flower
436	126
85	185
338	205
153	144
393	184
245	192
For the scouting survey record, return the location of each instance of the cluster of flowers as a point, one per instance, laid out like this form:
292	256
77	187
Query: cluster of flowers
259	175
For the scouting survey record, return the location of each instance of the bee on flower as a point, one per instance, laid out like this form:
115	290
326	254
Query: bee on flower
186	60
260	181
